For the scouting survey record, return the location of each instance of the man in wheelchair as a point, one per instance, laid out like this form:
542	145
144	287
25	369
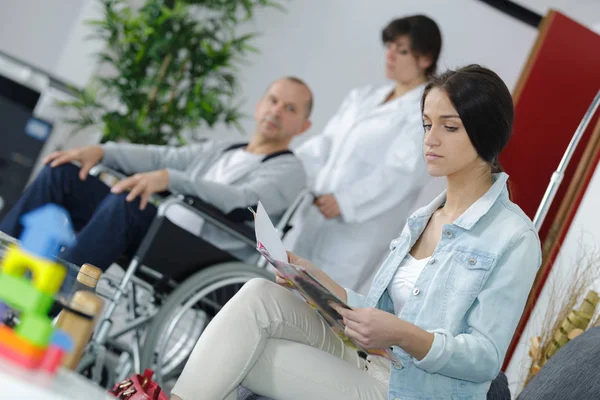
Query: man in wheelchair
229	176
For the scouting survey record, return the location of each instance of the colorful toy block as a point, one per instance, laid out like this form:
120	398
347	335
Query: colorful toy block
46	230
47	276
11	340
20	294
17	356
3	311
35	328
34	343
62	340
52	359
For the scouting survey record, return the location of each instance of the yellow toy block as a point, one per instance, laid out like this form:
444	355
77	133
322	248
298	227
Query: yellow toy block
47	276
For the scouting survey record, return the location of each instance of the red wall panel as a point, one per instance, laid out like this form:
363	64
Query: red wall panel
557	86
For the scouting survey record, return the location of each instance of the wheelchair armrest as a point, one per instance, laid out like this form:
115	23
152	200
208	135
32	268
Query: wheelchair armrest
214	216
102	169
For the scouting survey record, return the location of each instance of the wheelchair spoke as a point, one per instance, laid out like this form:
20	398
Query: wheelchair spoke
183	316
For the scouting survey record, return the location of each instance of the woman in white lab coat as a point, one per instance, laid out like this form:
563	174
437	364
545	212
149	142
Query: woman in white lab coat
366	169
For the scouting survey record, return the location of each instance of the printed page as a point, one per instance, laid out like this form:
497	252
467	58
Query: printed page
267	235
314	293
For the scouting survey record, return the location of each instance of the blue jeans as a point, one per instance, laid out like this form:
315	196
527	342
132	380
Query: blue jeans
107	225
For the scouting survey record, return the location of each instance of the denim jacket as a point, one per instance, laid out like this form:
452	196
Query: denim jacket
470	295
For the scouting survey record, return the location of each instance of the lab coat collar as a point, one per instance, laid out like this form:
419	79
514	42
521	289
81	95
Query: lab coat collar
474	213
412	96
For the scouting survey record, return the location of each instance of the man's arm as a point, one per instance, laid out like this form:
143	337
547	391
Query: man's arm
276	184
135	158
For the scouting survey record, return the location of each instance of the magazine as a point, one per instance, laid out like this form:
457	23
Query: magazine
312	291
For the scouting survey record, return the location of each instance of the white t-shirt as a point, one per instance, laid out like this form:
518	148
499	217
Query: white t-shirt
230	164
224	171
404	281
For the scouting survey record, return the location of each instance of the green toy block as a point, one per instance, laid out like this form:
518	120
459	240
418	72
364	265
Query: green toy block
19	293
37	329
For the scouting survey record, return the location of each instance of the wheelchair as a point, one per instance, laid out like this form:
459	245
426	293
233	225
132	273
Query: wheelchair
172	287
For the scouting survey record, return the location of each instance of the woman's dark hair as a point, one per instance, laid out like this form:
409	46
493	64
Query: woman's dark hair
484	105
424	34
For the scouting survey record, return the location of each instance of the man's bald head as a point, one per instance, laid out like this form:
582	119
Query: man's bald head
298	81
282	113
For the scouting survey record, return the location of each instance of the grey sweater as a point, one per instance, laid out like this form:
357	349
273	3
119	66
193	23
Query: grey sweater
276	182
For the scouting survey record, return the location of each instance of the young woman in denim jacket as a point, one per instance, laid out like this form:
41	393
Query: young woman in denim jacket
446	300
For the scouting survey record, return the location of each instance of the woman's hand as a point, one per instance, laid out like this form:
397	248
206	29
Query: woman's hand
373	328
370	327
298	261
281	280
302	263
317	273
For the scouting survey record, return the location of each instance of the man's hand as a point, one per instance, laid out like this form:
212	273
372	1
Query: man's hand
143	185
370	327
87	156
328	206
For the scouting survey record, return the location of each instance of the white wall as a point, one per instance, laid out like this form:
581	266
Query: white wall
50	35
335	45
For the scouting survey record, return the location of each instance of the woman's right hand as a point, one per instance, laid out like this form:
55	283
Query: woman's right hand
280	279
316	272
298	261
302	262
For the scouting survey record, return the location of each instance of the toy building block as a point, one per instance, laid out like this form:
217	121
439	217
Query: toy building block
18	357
60	345
35	328
52	359
46	230
11	340
47	276
3	311
62	340
19	293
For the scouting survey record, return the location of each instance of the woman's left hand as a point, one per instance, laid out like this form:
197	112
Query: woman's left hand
370	327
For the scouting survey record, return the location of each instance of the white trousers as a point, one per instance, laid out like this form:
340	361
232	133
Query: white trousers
270	341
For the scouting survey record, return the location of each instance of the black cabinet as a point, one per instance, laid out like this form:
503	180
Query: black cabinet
22	137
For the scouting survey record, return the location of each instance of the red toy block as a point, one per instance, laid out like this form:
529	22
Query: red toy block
52	359
30	362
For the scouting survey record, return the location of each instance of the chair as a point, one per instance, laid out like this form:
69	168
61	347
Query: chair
186	281
571	374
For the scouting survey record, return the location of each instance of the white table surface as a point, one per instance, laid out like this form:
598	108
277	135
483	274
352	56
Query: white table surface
20	383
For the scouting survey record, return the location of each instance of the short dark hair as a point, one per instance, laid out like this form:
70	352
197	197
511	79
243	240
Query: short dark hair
424	34
484	105
309	103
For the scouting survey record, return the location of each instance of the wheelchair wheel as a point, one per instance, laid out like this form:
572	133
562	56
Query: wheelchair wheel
174	331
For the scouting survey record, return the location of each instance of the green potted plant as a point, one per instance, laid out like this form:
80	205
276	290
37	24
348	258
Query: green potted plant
173	69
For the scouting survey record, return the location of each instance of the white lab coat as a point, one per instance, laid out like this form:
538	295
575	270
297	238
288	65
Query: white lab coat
370	156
